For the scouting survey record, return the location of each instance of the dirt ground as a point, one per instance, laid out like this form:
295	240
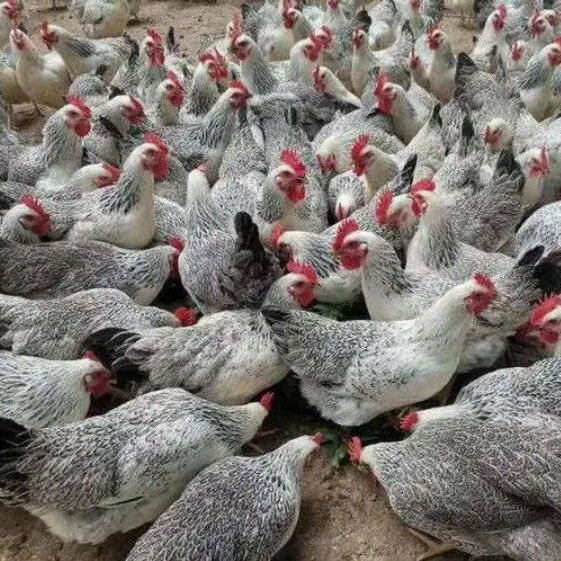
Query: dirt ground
343	518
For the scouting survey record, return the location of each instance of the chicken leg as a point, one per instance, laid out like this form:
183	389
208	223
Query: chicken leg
434	546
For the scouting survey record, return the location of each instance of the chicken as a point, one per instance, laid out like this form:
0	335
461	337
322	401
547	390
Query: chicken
203	91
393	294
83	55
391	61
542	33
509	391
120	470
535	82
101	18
518	59
217	344
333	142
241	269
207	139
467	494
375	167
42	77
289	196
353	371
12	93
90	87
63	268
9	18
59	156
277	39
111	122
39	393
382	29
543	227
337	285
124	213
234	490
168	102
408	110
326	82
56	329
540	151
345	195
436	246
491	43
18	224
438	79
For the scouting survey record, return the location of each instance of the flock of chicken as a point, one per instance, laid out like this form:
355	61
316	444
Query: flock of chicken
346	157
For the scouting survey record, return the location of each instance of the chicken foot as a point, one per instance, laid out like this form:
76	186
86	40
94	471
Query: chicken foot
434	546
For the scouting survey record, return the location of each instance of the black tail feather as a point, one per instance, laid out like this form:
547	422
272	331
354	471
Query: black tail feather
406	175
14	439
362	20
548	272
171	40
101	70
507	165
465	68
110	345
531	257
248	238
274	315
435	117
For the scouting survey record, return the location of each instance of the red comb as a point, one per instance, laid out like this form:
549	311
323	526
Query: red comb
45	27
236	28
543	308
409	422
114	172
187	316
13	4
35	204
205	57
356	38
171	75
91	355
502	10
151	138
79	104
155	35
325	35
139	108
304	269
544	157
239	85
318	438
423	185
381	81
277	232
177	243
483	280
383	205
558	41
291	158
346	227
359	145
319	84
267	400
354	447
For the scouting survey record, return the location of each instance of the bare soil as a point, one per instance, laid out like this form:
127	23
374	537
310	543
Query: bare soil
343	517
